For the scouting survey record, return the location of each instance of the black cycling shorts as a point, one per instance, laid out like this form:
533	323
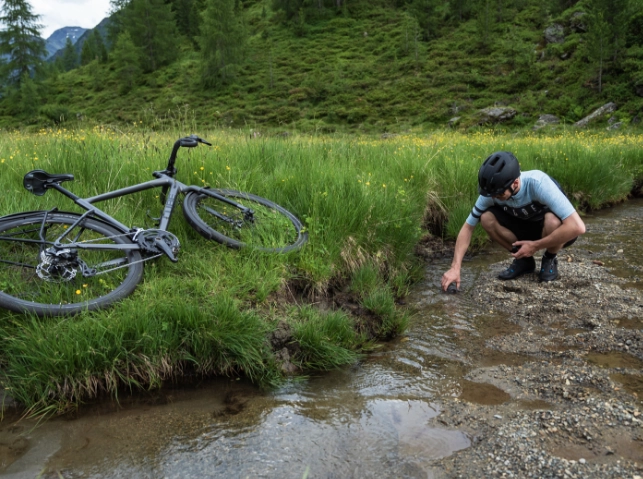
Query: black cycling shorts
525	230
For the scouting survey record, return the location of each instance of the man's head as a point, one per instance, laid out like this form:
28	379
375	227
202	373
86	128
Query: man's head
498	174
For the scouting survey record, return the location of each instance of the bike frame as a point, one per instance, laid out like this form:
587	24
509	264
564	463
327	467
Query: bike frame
164	180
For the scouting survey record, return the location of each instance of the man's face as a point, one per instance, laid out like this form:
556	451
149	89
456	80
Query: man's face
507	193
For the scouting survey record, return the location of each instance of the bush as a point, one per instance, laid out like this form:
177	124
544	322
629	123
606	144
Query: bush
55	112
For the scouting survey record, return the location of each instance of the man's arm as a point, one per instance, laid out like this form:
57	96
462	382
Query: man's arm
571	227
461	245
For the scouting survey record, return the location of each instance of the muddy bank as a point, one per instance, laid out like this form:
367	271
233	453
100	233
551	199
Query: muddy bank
579	383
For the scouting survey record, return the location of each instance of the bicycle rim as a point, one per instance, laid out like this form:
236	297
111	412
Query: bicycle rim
30	284
270	227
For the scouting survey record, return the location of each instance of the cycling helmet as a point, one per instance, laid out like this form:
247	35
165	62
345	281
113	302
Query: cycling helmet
497	173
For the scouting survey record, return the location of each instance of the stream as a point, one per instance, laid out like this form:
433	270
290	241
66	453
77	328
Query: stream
376	418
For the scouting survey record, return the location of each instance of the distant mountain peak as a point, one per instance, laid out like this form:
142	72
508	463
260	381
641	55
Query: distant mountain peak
57	40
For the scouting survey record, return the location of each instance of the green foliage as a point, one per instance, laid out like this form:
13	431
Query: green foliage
327	340
365	66
20	41
56	113
29	98
69	59
187	14
222	42
151	26
93	48
125	56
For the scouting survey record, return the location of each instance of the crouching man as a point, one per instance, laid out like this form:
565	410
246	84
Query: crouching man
522	212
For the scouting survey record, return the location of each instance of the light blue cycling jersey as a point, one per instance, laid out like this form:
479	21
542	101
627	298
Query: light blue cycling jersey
538	194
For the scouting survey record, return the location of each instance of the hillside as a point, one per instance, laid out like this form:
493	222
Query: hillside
372	67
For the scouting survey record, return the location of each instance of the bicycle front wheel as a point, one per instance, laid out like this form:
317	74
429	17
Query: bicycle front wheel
250	221
34	279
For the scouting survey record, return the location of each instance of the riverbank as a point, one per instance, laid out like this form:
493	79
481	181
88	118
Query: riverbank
572	406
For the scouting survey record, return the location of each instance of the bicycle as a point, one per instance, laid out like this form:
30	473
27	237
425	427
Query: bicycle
55	263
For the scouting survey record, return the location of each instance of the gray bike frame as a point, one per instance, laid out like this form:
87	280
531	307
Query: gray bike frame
163	180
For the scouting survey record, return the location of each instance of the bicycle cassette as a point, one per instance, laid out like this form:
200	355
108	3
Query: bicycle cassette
155	242
59	266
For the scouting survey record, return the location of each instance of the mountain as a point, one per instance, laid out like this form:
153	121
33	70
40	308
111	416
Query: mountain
80	39
58	39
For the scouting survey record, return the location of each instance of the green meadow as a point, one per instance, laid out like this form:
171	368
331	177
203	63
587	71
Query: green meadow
366	203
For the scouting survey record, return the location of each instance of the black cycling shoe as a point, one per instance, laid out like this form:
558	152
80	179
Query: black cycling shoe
518	268
548	269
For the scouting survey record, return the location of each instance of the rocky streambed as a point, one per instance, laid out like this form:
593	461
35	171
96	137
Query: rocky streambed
572	406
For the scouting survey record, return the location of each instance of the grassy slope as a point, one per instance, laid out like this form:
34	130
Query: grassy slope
362	71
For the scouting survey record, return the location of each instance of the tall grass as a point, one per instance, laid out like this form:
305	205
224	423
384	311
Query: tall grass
363	201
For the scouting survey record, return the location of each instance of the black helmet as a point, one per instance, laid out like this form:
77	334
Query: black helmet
497	173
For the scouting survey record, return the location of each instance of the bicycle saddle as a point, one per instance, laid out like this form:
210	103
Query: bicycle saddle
37	181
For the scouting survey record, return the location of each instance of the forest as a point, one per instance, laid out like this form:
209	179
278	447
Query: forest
329	65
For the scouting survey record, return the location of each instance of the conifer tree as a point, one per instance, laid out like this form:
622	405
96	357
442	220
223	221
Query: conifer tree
125	56
28	98
151	26
20	41
88	50
606	33
69	56
93	48
187	14
223	38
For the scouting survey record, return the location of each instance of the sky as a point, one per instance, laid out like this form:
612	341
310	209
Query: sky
55	14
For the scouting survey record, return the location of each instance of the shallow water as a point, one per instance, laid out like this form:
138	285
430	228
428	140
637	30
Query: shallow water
374	419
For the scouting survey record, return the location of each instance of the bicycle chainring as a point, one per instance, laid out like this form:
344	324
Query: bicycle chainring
155	242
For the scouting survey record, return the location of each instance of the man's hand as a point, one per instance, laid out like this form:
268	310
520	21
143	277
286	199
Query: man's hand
526	249
453	275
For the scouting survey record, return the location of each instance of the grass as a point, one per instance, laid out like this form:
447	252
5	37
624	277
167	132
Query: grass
365	202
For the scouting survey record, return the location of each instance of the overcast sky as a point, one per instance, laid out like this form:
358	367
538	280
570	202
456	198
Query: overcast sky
55	14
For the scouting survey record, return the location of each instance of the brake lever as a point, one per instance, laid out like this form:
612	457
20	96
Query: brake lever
199	140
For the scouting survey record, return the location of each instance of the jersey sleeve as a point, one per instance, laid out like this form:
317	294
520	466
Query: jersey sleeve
549	193
482	204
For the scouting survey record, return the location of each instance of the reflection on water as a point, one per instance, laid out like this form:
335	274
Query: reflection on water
374	419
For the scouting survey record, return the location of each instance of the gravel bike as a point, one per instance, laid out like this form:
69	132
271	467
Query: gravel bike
55	263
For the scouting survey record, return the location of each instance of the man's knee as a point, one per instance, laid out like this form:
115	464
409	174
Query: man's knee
551	223
488	221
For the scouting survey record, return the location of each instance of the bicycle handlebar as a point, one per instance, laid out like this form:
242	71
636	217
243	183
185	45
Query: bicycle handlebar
187	142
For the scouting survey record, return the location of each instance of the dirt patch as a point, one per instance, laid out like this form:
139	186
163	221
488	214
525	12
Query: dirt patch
573	408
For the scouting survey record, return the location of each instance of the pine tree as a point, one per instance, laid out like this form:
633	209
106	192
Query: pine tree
222	42
151	26
188	18
606	33
69	56
93	48
125	56
29	99
101	48
20	41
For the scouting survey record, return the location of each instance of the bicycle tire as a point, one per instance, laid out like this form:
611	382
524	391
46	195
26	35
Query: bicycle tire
272	228
23	288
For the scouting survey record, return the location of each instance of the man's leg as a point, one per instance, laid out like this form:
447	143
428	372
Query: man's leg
550	224
505	238
496	231
549	264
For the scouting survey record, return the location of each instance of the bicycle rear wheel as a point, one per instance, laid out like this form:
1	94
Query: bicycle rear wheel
267	227
33	281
